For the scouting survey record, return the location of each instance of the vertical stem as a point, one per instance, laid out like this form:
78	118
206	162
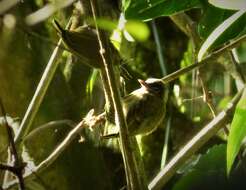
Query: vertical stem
127	153
87	15
164	73
165	146
159	48
235	61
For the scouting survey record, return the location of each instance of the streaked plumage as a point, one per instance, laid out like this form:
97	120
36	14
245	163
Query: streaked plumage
145	107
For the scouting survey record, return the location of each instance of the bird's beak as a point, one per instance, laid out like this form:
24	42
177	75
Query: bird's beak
143	83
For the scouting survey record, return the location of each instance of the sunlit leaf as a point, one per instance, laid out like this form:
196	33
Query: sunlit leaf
91	82
237	132
125	4
218	32
106	24
116	38
128	37
229	4
137	29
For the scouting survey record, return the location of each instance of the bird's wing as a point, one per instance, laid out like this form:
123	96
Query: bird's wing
134	109
143	114
90	45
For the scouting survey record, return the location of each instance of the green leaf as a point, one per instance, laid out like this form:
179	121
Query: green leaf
211	18
138	30
146	10
208	172
104	23
91	83
218	32
125	4
237	132
229	4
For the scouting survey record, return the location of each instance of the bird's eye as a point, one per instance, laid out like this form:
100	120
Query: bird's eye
156	87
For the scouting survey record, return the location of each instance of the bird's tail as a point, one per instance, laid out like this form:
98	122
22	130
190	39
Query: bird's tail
58	27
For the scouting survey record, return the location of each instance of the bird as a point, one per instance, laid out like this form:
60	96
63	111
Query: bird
82	42
144	108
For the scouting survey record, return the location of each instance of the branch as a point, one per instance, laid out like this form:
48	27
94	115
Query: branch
127	154
6	167
194	144
238	74
40	92
206	60
87	15
89	121
185	23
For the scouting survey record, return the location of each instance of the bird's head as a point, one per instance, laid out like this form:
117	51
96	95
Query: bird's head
153	85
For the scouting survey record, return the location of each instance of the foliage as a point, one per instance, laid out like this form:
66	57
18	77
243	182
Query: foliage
146	10
177	33
237	134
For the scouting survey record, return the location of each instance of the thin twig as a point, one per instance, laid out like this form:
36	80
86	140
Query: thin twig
109	105
189	27
181	20
90	121
194	144
18	165
6	167
207	95
10	135
159	49
235	62
205	61
166	139
164	73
